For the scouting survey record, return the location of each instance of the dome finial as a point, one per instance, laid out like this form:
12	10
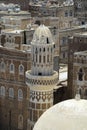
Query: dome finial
77	96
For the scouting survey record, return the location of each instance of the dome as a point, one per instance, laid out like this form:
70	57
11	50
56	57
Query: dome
42	35
67	115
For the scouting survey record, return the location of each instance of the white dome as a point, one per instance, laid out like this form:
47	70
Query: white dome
42	35
67	115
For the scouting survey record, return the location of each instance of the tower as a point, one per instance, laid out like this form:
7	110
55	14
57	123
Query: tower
41	79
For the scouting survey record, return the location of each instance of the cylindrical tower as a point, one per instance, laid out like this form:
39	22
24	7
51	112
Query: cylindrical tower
41	79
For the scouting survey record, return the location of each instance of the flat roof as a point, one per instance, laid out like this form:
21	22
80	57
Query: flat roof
84	53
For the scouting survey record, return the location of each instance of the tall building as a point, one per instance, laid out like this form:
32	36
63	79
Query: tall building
80	73
13	90
41	79
81	10
77	43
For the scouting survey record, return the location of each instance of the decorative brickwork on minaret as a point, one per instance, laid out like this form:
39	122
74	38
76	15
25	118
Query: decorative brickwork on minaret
41	79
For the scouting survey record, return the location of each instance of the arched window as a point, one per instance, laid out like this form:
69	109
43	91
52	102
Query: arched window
11	68
2	67
47	40
2	91
40	59
20	122
21	69
20	94
80	74
11	92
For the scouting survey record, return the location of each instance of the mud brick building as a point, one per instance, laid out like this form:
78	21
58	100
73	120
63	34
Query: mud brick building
77	43
13	90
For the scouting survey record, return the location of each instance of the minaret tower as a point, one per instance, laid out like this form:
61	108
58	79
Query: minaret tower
41	79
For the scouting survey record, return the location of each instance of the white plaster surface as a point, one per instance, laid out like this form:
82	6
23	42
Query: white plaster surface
67	115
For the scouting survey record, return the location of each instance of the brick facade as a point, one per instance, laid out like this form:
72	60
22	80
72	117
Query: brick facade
13	104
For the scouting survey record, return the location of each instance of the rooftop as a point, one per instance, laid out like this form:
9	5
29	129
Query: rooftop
82	53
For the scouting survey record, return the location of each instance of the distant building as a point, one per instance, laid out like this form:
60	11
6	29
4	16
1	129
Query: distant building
81	10
77	43
23	3
12	39
13	90
64	35
16	22
43	9
80	73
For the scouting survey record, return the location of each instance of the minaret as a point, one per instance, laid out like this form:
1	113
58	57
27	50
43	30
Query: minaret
41	79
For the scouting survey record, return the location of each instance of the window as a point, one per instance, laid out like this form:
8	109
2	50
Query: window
63	55
54	31
44	50
36	51
11	92
63	40
20	94
66	13
43	59
7	39
12	68
70	13
40	59
80	74
21	69
2	91
40	49
2	66
54	45
51	49
47	40
20	122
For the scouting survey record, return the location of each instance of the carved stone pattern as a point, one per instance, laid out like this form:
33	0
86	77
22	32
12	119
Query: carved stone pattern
41	96
42	82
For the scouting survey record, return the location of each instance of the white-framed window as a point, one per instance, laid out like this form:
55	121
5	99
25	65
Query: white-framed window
21	69
20	94
2	91
11	68
2	66
20	121
11	92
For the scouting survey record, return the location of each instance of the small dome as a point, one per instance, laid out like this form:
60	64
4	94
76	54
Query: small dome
67	115
42	35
